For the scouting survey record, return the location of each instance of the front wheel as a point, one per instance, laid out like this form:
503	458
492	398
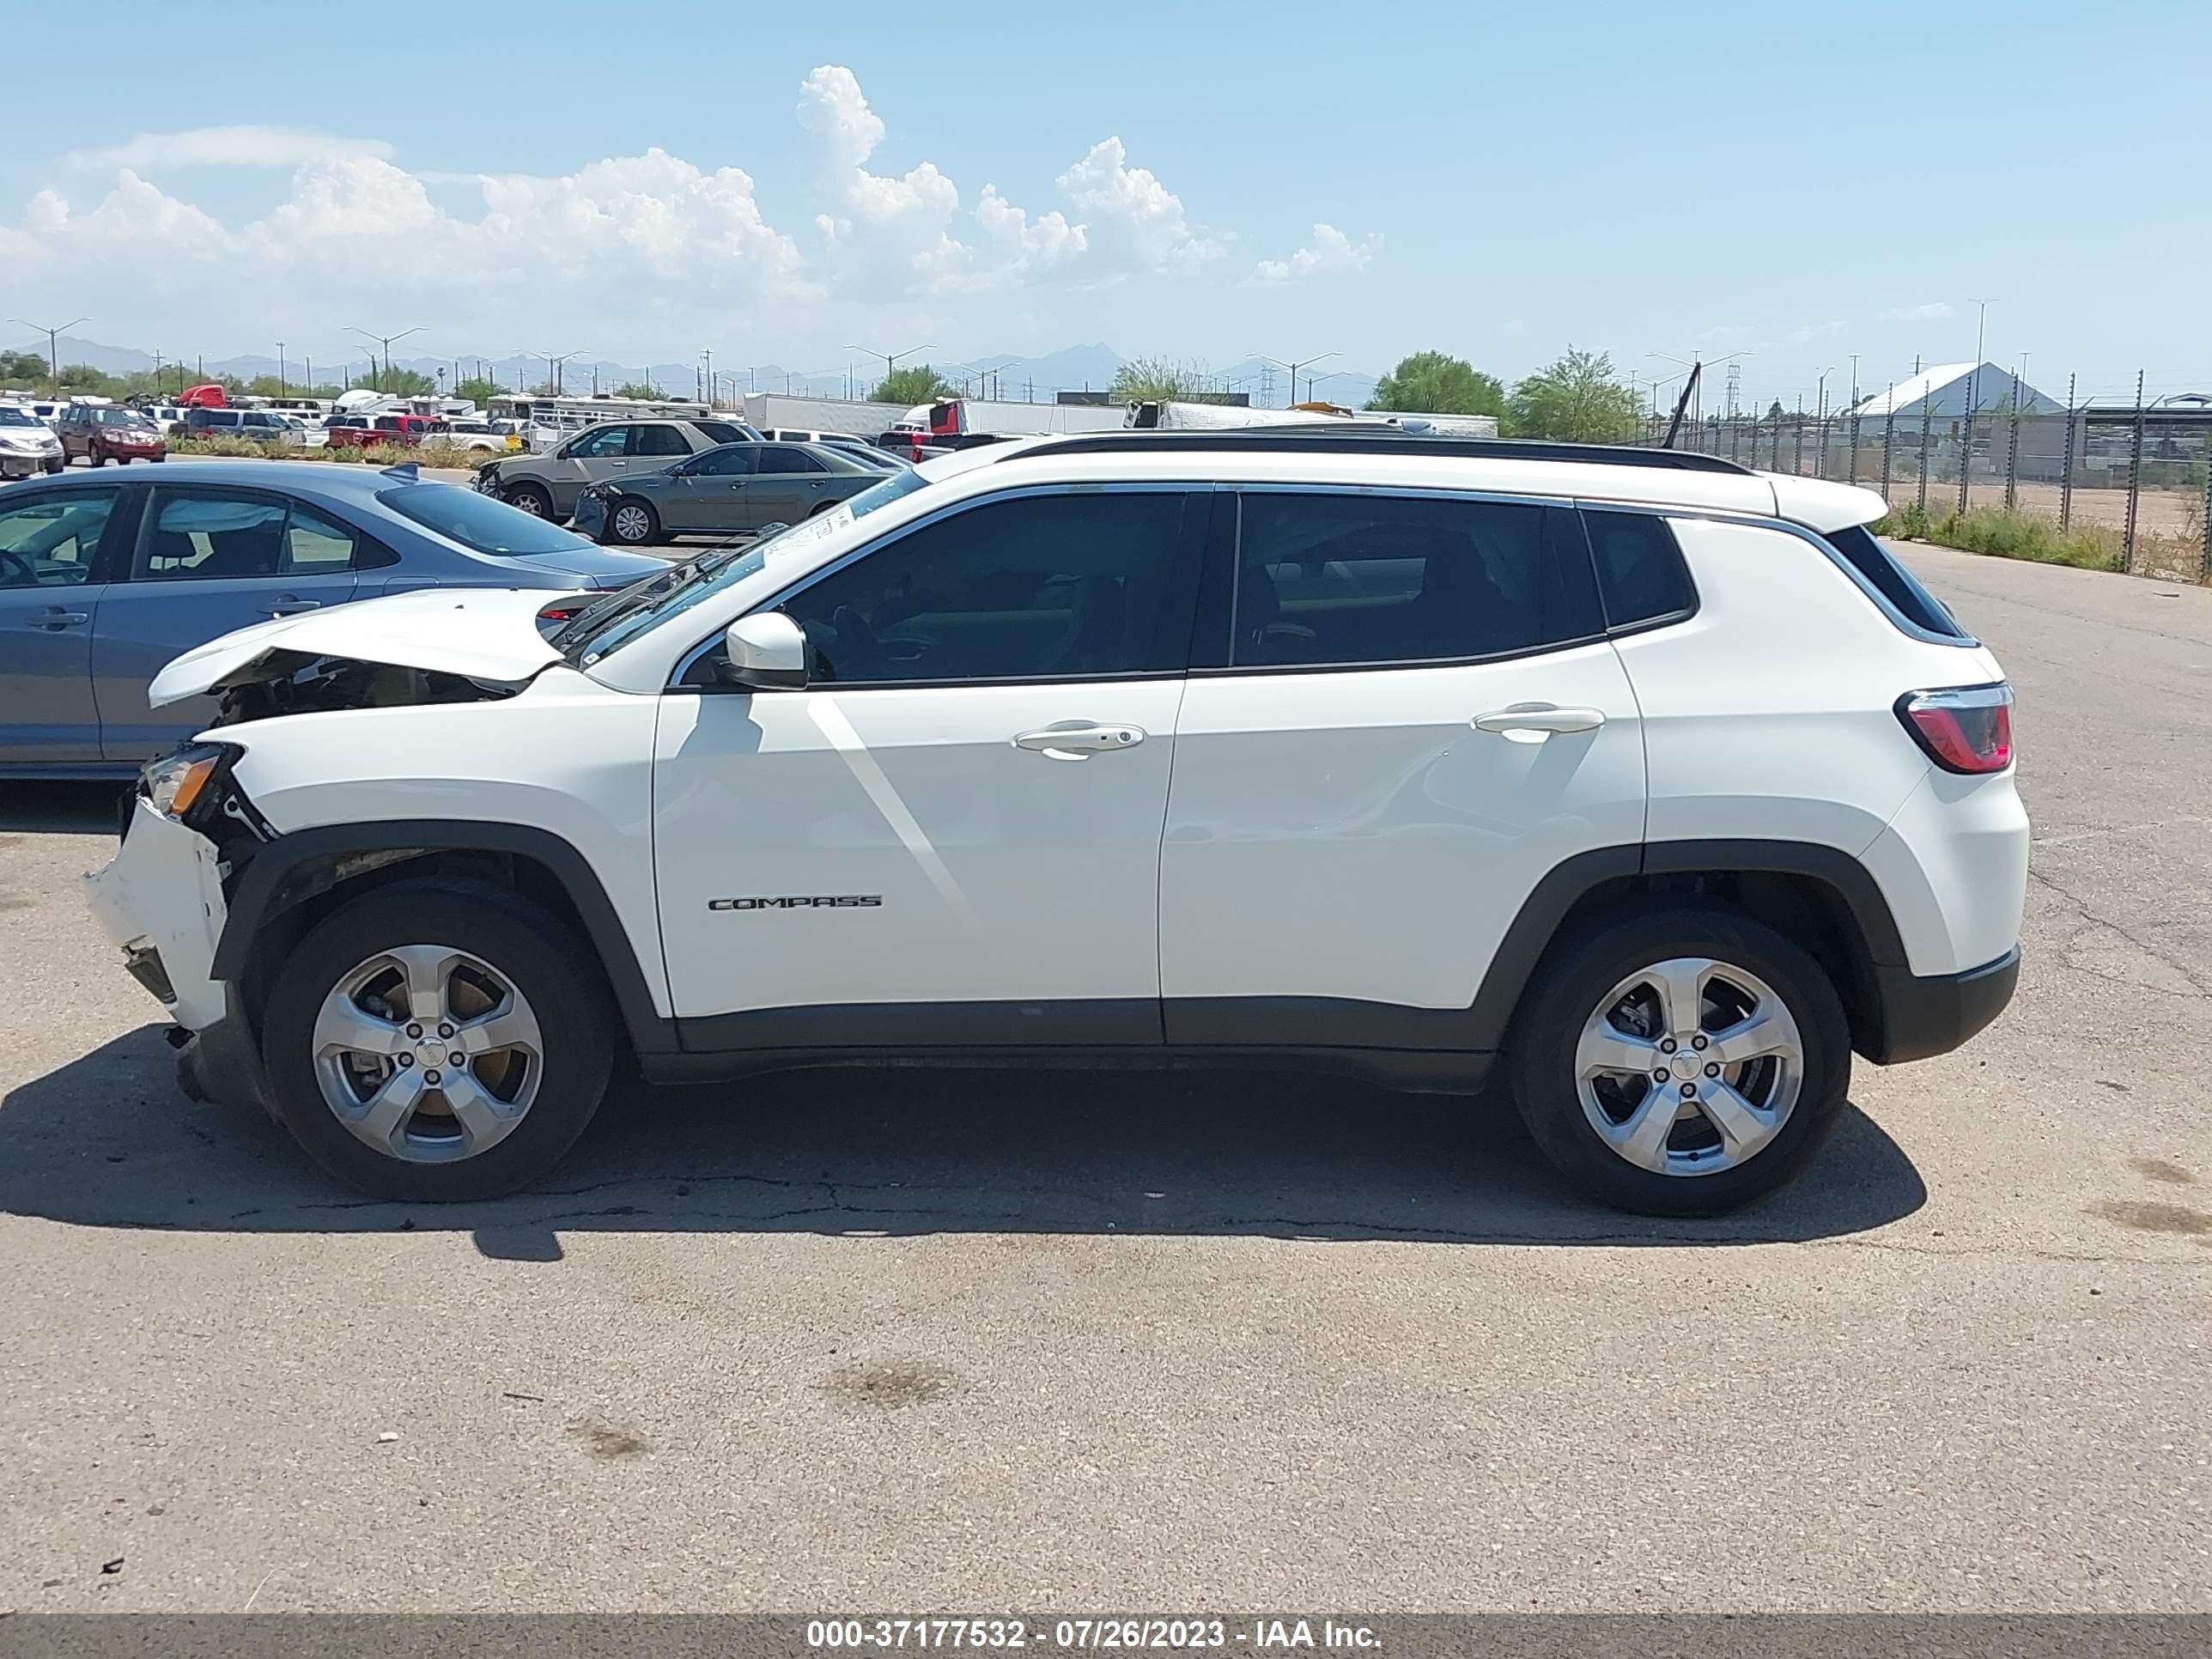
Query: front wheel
437	1041
533	498
1681	1063
92	458
56	466
632	523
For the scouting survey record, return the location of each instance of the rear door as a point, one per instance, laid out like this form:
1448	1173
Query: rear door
787	486
1409	714
601	452
207	559
49	593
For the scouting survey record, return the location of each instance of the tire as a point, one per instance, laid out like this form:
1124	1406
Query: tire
548	977
55	466
642	525
821	508
533	498
123	460
1575	999
92	458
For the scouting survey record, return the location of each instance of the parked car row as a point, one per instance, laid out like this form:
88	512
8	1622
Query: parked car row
103	580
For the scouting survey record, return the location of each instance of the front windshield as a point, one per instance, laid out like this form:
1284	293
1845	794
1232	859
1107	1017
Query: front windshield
644	605
10	415
477	522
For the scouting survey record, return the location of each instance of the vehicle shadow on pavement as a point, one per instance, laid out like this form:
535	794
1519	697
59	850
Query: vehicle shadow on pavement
108	1140
61	809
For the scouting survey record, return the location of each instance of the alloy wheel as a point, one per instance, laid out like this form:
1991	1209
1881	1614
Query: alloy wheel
1689	1066
426	1054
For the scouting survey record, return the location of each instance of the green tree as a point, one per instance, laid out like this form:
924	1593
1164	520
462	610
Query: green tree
22	366
1436	383
478	391
1155	379
918	383
399	383
638	389
1577	399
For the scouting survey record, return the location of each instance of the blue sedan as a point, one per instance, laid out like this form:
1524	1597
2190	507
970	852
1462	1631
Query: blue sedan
104	579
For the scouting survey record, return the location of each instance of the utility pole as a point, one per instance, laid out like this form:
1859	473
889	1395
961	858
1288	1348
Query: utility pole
707	359
385	340
279	368
53	350
1855	380
310	370
1294	367
553	362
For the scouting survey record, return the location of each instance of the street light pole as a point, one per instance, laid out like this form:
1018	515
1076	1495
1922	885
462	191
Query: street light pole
279	368
890	358
553	362
53	351
385	340
1303	363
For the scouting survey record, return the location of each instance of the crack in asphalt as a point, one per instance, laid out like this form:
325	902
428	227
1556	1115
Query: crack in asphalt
2081	908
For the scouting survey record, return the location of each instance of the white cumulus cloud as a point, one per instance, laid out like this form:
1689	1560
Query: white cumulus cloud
1134	222
228	146
1934	312
1330	253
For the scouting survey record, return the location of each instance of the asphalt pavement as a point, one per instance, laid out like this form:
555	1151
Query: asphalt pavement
956	1342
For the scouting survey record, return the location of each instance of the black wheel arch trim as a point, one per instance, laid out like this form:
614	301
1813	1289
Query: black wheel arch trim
260	897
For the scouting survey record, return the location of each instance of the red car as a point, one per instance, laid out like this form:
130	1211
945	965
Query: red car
106	431
359	431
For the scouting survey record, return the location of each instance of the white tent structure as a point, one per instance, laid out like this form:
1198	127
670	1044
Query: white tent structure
1948	390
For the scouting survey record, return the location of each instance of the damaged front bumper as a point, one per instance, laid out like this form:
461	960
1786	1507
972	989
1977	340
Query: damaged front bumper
161	900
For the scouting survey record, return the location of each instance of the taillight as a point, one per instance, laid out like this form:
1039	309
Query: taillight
1963	728
563	609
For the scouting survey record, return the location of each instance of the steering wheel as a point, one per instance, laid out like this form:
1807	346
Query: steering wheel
10	560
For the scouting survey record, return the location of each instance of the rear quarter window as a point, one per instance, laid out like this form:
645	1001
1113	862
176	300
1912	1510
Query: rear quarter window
1640	574
1863	550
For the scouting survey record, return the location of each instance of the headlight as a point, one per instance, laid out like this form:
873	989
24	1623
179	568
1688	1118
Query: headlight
175	781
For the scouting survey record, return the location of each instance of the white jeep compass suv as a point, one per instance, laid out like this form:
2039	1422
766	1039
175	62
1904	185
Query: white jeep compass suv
1650	782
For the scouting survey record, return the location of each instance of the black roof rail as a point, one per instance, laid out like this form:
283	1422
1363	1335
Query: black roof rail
1338	438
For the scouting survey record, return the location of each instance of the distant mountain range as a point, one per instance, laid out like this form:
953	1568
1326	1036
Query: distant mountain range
1076	368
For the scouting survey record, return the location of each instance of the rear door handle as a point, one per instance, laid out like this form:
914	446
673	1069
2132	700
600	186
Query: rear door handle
61	619
1077	741
292	607
1532	722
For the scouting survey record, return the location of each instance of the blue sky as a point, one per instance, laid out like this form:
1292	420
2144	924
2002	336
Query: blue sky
1799	183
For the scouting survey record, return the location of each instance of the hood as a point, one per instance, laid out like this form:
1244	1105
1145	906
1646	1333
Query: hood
489	634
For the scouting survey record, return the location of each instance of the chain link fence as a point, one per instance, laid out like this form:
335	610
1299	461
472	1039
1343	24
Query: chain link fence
2132	483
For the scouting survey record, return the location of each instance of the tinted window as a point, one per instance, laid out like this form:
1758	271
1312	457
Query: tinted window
50	543
657	441
314	543
1866	555
212	535
1044	587
735	461
1348	579
720	431
478	522
600	445
788	458
1639	569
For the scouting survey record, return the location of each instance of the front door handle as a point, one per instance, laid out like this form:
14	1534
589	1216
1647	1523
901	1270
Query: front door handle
292	607
1532	722
1078	741
61	619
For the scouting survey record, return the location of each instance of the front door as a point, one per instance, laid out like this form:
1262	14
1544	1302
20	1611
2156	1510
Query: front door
601	453
709	492
48	600
951	837
1417	718
208	560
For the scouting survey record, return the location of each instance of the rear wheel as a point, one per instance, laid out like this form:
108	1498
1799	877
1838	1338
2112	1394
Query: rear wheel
93	458
1680	1063
437	1040
632	522
533	498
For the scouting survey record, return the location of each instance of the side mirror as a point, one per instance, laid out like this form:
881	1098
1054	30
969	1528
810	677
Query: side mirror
767	652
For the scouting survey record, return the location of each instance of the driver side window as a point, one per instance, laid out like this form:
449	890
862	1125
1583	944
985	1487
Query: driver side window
1040	588
607	442
51	543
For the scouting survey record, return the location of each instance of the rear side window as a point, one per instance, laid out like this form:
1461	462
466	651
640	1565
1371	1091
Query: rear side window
1346	580
477	522
657	441
720	431
1639	569
1864	553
